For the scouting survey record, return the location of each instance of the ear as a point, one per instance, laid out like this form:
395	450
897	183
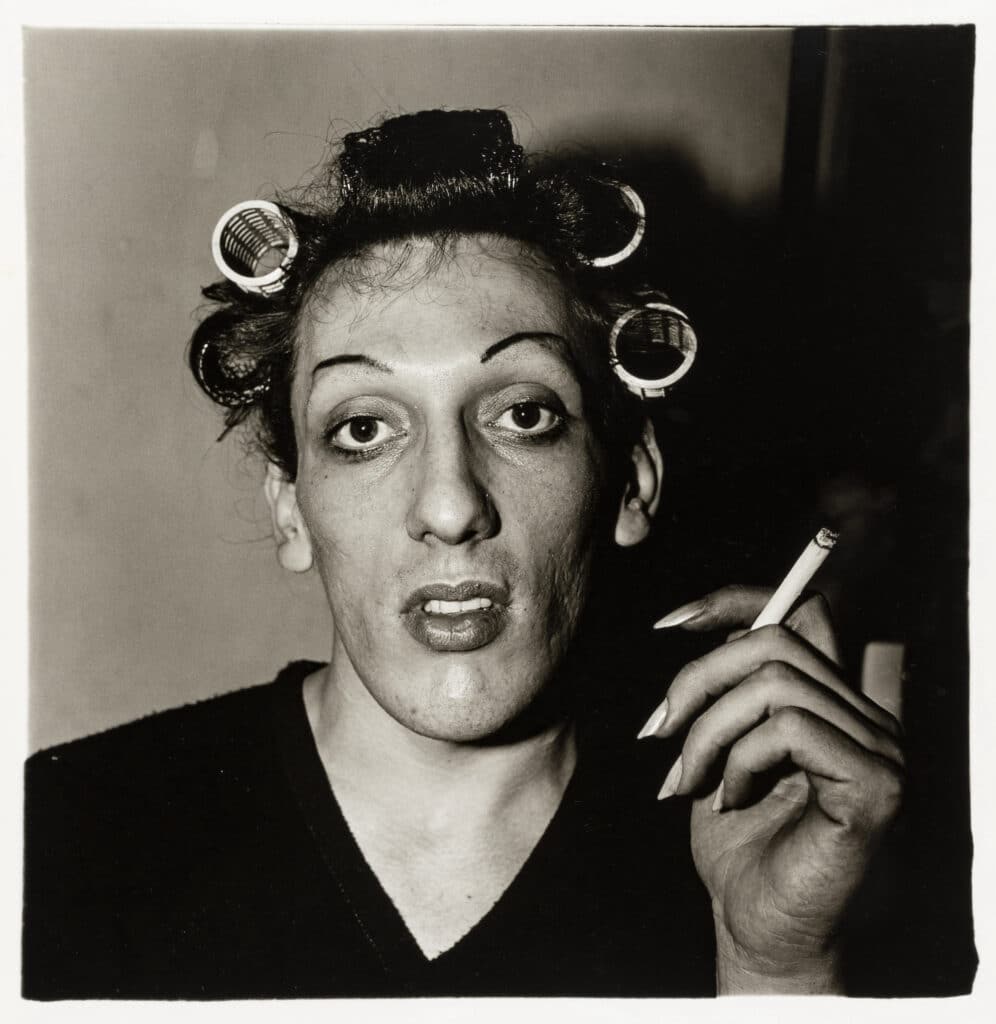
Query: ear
293	540
643	491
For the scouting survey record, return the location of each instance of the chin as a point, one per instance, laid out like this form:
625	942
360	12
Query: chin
465	705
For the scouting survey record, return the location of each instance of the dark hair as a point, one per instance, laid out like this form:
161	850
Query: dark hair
433	174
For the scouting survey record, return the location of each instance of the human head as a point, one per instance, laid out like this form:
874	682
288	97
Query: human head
452	188
435	174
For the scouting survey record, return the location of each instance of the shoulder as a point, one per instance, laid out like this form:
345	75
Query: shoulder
152	736
164	763
131	833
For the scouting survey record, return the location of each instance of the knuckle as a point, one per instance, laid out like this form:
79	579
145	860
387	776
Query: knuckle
790	721
773	675
697	740
890	786
885	794
684	680
775	636
777	684
691	749
757	687
880	799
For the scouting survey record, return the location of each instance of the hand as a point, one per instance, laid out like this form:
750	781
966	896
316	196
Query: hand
796	777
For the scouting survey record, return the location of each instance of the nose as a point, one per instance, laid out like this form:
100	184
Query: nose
449	501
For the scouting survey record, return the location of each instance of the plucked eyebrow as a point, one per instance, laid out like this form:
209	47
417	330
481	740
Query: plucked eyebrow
555	342
362	360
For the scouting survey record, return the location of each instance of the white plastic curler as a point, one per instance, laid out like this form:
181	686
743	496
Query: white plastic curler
635	203
675	332
254	245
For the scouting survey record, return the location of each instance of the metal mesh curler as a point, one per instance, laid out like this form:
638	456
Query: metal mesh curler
254	245
645	344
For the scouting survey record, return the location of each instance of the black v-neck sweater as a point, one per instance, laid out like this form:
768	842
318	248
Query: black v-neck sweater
200	853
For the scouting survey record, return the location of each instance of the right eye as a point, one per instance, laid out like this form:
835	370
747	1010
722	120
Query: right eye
360	433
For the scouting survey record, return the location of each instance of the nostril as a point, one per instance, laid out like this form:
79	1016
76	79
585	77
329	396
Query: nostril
453	512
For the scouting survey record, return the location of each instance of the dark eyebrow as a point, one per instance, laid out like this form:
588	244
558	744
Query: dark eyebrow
362	360
545	338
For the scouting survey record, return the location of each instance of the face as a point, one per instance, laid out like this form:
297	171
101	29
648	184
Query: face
448	479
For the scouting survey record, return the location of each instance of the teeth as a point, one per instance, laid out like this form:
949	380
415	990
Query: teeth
475	604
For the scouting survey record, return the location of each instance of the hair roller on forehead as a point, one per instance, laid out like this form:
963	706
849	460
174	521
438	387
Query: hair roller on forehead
433	175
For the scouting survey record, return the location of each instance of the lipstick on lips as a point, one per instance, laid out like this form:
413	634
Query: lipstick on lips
456	617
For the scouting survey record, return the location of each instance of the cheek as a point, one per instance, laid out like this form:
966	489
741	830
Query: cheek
349	532
563	519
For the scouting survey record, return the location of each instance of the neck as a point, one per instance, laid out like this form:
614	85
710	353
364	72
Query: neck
441	785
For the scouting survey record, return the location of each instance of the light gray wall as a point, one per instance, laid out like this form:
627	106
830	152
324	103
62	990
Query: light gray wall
153	578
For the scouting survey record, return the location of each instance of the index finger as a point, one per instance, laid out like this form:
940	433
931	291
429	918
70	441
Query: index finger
731	607
735	607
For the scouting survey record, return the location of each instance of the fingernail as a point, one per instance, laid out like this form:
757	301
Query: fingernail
655	721
672	781
685	613
717	803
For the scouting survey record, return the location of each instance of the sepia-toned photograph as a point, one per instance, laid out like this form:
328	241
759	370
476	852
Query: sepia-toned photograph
499	511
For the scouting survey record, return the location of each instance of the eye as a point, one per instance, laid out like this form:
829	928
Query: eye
360	433
529	418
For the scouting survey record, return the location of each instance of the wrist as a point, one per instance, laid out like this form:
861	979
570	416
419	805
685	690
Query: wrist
739	972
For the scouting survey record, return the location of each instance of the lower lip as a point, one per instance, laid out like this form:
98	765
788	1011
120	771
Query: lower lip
466	631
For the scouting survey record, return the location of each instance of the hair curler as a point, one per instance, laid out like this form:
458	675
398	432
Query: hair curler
644	344
254	245
635	204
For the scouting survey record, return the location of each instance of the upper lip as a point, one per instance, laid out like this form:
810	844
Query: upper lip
464	591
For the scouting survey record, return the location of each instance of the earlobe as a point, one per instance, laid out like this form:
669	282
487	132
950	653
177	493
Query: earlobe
643	492
289	530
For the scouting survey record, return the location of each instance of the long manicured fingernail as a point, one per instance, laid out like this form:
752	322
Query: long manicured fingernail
681	615
655	721
717	803
672	781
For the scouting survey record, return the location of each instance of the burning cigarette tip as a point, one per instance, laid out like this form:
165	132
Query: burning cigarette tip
791	588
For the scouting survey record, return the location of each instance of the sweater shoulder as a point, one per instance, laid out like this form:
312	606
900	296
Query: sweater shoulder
224	728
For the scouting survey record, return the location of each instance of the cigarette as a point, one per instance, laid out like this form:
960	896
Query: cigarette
797	580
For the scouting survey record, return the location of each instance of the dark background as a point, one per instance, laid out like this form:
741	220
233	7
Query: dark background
833	390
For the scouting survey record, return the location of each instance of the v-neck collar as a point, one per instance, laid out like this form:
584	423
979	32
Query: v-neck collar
382	926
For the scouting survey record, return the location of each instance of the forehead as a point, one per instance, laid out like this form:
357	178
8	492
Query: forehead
422	298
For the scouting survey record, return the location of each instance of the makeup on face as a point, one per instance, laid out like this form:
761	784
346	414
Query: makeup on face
456	617
449	481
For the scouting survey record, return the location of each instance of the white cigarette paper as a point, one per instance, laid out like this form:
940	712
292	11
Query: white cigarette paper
797	580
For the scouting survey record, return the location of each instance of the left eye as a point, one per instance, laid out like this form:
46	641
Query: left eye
528	418
360	432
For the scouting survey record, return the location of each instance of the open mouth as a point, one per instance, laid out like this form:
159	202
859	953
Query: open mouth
456	617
